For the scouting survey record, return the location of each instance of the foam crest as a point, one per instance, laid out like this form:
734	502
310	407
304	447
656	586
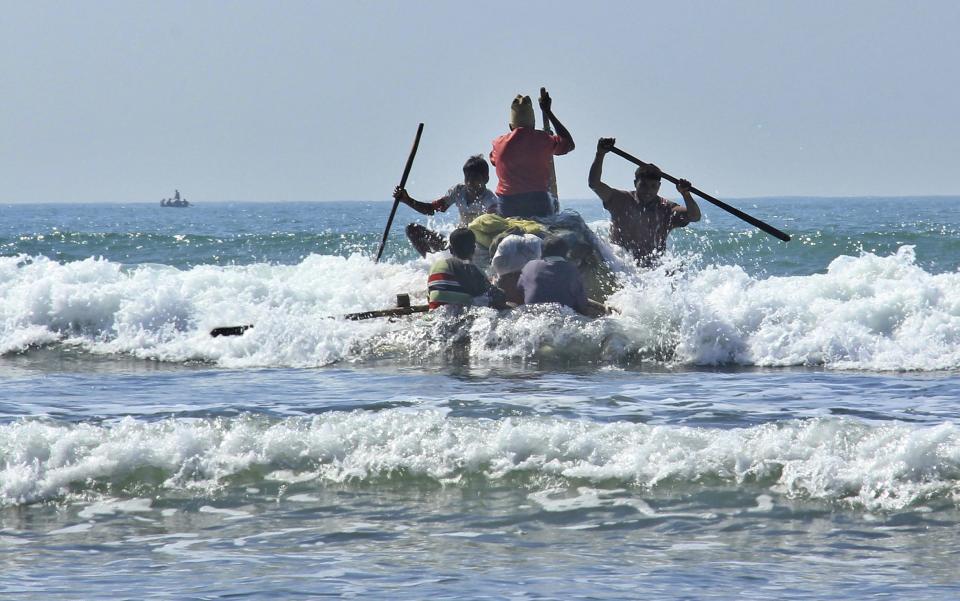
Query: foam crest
886	467
160	312
865	312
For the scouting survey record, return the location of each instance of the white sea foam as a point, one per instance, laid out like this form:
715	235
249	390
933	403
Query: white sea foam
886	467
866	312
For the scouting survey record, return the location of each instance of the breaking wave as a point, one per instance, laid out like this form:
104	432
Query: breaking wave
866	312
835	460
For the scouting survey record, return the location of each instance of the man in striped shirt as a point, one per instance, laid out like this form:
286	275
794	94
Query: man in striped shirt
457	281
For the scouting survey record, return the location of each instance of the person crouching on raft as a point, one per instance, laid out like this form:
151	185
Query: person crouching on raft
640	220
472	199
457	281
522	159
553	279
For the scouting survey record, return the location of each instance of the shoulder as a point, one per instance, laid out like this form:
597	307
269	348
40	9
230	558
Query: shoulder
559	144
672	207
615	197
476	271
489	198
441	266
531	266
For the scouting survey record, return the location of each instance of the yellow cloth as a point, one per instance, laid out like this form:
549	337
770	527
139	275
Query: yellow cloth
489	226
521	112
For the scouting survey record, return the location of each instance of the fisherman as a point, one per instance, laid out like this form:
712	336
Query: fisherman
522	158
512	254
472	199
457	281
640	220
553	279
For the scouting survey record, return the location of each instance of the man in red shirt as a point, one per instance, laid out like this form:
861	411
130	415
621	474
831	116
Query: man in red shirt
522	158
640	220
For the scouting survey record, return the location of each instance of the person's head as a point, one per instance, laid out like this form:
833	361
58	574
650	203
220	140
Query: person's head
515	251
521	112
476	173
462	243
647	180
554	246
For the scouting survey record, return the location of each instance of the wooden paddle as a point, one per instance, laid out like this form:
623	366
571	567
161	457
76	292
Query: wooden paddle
733	211
549	130
403	183
395	312
594	309
403	308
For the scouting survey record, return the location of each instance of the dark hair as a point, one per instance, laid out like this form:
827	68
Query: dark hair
648	172
477	165
462	243
554	246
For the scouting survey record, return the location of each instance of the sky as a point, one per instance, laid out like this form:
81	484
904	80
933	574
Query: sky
105	101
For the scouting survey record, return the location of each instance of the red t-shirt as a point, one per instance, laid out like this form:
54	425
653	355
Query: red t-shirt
522	158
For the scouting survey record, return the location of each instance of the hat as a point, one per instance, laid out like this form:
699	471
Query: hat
514	252
521	112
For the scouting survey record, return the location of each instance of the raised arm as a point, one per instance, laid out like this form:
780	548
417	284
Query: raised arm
424	208
596	169
546	104
692	209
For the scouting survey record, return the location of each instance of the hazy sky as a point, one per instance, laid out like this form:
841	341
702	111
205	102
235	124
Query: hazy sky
123	101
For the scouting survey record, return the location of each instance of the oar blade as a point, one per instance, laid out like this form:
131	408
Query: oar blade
230	330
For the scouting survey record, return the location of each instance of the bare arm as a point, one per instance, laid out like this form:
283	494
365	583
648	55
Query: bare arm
424	208
596	169
692	209
546	104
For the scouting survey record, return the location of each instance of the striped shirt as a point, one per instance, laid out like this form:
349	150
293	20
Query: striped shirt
455	282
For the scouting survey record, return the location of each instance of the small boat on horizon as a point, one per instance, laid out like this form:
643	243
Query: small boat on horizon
176	201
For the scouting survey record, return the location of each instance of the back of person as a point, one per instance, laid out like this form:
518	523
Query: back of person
453	281
512	254
456	281
522	160
553	279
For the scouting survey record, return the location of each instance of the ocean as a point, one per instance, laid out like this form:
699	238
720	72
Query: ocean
758	420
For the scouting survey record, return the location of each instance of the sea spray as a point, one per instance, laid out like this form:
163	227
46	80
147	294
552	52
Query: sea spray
867	312
836	460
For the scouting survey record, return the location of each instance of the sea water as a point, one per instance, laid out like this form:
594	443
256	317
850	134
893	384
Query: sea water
755	420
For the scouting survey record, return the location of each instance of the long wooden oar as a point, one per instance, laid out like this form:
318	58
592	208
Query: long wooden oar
549	130
395	312
732	210
594	309
403	183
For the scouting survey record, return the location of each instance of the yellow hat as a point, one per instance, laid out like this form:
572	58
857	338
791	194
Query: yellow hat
521	112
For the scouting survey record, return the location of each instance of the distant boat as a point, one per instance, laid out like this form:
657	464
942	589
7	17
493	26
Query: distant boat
176	201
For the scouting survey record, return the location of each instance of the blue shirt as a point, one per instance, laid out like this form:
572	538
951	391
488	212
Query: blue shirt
552	280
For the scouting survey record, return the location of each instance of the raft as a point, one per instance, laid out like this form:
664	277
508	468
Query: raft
586	250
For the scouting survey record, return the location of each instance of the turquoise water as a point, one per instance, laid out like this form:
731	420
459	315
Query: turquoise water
760	420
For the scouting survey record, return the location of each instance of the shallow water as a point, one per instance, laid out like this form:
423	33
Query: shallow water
766	421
